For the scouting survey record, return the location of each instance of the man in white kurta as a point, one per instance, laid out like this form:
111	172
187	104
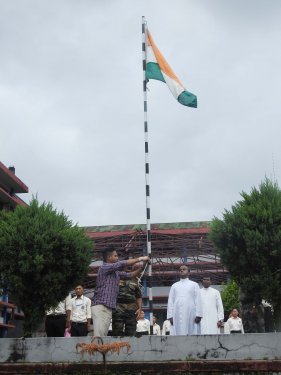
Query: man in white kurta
184	306
212	307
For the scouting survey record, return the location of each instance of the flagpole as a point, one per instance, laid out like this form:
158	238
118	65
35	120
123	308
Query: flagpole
147	186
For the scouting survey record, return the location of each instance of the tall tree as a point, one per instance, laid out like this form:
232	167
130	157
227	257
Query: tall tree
248	239
43	255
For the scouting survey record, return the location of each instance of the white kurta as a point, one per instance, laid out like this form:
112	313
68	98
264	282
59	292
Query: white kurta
184	304
212	311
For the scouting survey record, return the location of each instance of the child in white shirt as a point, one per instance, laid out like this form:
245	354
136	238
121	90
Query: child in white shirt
234	323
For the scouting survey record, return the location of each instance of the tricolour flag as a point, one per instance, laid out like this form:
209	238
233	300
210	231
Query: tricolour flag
158	68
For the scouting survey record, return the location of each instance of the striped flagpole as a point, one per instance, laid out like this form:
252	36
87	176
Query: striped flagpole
147	187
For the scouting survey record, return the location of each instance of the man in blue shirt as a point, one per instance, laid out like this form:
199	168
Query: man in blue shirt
107	287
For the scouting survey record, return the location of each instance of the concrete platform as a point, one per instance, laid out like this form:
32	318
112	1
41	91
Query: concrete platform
220	353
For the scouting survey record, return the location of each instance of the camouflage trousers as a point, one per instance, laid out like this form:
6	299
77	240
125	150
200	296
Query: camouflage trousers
124	322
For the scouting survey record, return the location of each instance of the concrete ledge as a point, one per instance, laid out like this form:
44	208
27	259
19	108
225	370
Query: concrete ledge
249	352
142	367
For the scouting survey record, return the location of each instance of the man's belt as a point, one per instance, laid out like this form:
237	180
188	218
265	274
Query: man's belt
53	316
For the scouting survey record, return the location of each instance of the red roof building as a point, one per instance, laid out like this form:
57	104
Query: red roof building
172	244
10	186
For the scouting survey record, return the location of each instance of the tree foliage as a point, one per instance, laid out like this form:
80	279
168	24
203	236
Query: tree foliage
230	297
249	242
43	255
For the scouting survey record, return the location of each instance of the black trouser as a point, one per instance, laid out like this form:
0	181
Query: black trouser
143	333
79	329
55	325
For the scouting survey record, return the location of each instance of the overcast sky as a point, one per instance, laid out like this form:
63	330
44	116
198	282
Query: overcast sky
71	105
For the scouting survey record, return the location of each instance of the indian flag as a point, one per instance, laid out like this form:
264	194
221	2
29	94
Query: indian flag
158	68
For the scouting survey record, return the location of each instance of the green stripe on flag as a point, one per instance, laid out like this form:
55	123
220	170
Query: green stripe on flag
153	72
188	99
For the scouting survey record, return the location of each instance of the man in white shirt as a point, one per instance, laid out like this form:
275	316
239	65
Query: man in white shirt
143	325
58	318
156	327
80	313
213	315
184	305
166	328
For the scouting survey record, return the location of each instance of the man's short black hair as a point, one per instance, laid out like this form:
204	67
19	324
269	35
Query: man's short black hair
206	277
107	252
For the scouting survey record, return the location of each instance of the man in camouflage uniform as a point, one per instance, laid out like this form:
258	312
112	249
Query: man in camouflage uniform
128	308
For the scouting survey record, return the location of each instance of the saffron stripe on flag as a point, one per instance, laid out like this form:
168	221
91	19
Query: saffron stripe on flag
158	68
